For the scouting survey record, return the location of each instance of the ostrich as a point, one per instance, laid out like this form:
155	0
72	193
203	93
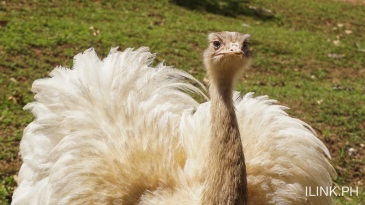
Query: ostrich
118	131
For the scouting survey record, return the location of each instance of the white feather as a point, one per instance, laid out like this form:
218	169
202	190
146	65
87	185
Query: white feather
118	131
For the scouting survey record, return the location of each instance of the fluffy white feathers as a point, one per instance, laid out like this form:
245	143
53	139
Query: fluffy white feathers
117	131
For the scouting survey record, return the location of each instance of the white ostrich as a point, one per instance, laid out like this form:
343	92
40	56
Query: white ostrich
117	131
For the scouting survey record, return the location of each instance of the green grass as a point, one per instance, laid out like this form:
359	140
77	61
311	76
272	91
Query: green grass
291	61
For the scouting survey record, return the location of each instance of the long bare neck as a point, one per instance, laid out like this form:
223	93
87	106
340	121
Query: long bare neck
226	174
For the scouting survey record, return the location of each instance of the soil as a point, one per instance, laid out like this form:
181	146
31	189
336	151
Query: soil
359	2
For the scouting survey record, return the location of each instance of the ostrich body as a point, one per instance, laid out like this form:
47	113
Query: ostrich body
118	131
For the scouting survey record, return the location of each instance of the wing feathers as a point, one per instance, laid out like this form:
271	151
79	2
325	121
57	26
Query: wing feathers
120	131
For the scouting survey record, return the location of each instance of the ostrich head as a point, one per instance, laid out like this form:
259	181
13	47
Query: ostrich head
227	55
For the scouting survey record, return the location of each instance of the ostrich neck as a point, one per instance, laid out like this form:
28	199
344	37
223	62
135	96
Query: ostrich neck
226	174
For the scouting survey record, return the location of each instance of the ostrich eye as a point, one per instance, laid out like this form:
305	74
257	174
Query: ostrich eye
216	44
245	46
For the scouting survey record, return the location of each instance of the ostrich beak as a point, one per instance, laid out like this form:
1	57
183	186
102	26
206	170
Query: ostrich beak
233	49
230	52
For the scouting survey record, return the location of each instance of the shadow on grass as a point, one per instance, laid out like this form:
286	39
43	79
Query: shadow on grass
226	7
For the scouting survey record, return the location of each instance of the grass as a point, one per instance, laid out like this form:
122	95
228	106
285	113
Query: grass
291	62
